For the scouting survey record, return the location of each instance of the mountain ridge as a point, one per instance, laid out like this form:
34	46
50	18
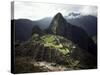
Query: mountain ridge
88	24
60	26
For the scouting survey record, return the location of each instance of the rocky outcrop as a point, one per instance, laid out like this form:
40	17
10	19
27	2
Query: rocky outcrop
60	26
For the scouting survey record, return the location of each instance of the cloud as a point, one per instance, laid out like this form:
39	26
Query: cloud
36	11
89	10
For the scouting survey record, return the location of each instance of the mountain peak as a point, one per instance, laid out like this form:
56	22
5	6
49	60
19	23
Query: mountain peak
58	15
58	24
36	29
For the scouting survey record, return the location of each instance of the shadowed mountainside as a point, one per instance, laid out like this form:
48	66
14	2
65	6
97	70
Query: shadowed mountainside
60	26
88	23
24	27
60	47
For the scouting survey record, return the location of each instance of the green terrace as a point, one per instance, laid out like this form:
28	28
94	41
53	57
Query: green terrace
53	42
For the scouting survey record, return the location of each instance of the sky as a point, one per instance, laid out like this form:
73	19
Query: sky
37	11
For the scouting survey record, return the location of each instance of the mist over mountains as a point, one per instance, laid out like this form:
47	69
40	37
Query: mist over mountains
80	30
24	26
88	23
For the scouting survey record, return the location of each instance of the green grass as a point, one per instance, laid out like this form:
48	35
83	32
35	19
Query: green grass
50	41
48	38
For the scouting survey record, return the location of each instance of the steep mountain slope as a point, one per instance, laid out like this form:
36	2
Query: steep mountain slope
37	30
23	29
88	23
60	26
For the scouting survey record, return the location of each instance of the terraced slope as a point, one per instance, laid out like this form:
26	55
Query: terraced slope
54	49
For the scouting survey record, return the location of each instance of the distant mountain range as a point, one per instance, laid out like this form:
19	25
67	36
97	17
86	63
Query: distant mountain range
60	26
24	27
74	32
88	23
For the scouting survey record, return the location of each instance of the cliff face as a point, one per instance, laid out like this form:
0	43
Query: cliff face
60	26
